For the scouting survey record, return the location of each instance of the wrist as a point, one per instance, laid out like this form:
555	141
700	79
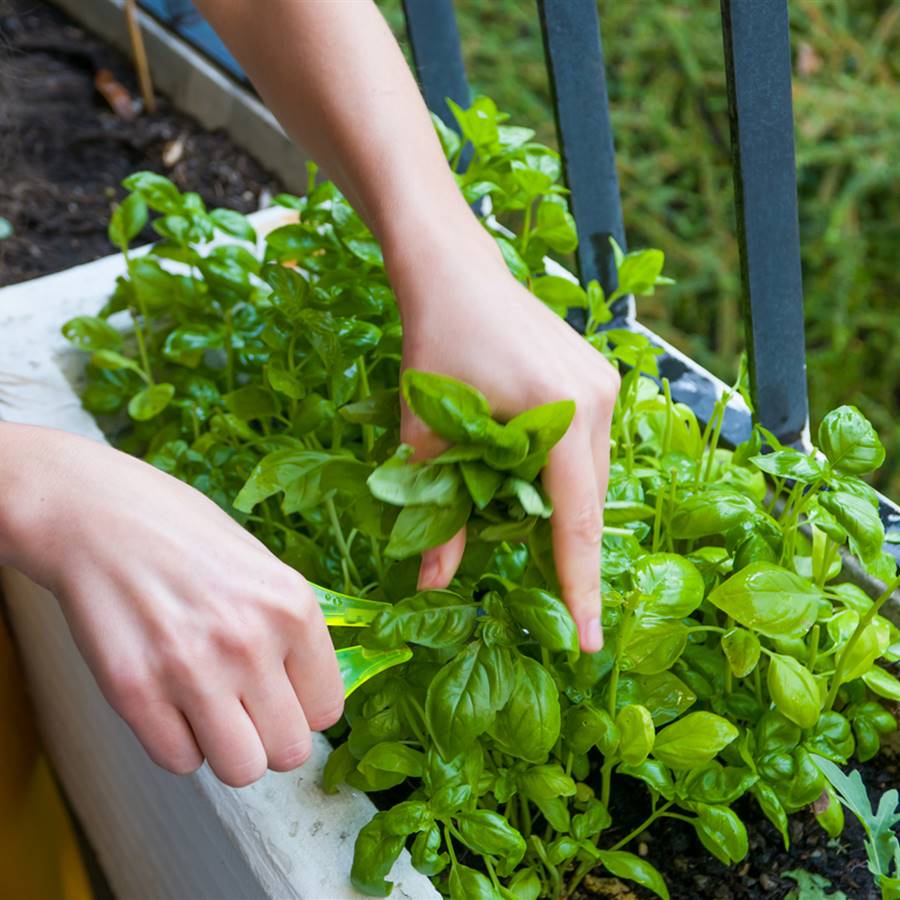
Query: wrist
425	246
28	462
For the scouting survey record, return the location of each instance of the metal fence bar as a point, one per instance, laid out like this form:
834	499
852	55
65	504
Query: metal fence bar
758	71
574	51
437	54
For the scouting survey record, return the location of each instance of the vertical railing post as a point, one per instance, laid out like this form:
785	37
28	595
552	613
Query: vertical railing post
574	51
437	54
758	72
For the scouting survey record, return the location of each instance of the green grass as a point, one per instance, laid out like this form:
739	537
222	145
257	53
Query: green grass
667	94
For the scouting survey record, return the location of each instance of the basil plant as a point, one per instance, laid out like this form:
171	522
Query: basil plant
736	651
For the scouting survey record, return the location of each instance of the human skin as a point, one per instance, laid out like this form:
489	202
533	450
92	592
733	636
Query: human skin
206	644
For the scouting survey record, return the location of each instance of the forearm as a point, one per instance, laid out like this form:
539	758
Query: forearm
334	76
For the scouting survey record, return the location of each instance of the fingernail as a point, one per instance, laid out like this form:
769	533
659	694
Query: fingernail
428	573
593	636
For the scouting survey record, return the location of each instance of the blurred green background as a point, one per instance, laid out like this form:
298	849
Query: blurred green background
667	93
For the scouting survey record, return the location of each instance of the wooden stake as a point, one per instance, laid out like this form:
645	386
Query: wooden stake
140	56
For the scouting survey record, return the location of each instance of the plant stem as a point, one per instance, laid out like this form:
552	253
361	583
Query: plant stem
864	623
643	826
342	544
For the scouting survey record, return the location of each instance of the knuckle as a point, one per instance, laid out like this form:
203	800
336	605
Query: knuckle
128	689
585	525
291	756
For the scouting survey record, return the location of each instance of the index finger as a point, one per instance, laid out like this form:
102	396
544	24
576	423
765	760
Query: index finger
577	522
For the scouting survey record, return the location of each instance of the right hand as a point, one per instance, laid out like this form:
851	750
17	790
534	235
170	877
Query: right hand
200	638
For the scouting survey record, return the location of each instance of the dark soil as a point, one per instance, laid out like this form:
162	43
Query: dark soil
64	152
693	874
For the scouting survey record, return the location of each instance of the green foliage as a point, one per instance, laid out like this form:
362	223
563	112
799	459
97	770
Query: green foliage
268	379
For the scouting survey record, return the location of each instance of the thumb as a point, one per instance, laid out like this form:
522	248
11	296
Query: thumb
439	564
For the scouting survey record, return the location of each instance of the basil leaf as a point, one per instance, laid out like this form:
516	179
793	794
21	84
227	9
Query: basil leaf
627	865
664	694
374	855
449	407
403	483
850	442
693	739
419	528
490	834
766	598
636	733
470	884
150	402
671	586
465	695
528	726
710	512
431	618
794	690
721	832
92	333
790	463
545	617
742	650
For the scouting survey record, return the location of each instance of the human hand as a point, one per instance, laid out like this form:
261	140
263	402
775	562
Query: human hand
465	316
200	638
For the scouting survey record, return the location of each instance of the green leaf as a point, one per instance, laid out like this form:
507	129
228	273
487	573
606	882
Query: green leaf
560	294
721	832
587	726
92	333
769	599
556	227
710	512
882	683
636	733
465	695
638	272
664	694
490	834
742	650
113	361
693	740
359	664
790	463
449	407
296	473
374	855
528	726
150	402
128	218
865	531
158	192
419	528
811	886
234	224
794	690
393	757
671	586
470	884
547	781
627	865
546	424
653	645
187	343
850	442
481	481
545	617
431	618
403	483
344	611
718	784
426	852
251	402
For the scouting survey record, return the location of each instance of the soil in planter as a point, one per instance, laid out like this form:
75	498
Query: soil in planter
64	152
693	874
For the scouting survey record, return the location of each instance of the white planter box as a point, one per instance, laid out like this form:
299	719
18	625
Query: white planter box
158	836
